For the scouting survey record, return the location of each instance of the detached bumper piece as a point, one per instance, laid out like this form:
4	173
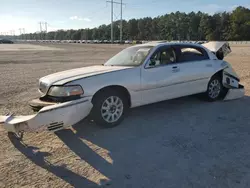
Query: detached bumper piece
235	93
51	118
235	89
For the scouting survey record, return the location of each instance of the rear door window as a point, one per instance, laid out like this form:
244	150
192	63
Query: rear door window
190	53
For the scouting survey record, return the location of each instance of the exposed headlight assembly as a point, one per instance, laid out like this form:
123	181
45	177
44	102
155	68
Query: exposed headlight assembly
65	91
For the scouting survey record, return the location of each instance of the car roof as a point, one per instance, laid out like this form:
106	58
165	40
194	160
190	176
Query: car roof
164	43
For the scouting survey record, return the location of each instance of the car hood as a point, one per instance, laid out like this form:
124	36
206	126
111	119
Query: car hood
61	78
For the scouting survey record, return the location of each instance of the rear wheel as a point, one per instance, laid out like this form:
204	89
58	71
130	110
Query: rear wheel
215	89
109	108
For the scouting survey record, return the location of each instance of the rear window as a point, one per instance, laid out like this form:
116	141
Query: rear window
192	54
191	50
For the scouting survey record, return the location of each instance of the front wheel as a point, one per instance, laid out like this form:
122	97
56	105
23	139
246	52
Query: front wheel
109	108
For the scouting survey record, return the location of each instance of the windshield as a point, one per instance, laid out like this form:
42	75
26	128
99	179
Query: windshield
132	56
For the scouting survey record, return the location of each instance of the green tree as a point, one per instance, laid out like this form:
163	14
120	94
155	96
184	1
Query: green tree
240	24
174	26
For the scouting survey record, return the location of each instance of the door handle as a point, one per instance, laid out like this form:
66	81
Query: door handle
175	67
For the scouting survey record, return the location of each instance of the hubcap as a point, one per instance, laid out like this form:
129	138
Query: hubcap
112	109
214	89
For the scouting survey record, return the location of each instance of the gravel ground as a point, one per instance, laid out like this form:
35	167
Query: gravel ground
178	143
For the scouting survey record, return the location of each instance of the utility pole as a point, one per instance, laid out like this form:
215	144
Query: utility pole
20	29
112	19
86	35
24	33
121	25
40	23
46	28
43	28
112	22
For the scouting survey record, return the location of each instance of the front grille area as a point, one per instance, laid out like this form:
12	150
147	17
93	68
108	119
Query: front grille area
48	98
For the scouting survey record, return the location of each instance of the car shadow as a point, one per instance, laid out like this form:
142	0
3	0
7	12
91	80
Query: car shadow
128	145
37	157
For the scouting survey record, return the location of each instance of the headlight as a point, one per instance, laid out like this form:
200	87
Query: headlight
65	91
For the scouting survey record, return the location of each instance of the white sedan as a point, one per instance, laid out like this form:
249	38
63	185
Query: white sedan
138	75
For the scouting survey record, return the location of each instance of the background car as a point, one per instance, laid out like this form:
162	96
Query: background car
6	41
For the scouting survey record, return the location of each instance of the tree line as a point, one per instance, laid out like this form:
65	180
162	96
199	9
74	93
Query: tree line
233	25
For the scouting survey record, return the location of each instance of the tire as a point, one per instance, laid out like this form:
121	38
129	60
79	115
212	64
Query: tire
215	89
112	115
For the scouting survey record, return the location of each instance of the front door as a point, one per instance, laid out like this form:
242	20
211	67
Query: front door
161	77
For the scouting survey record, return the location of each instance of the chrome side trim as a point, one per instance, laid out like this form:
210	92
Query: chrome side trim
172	84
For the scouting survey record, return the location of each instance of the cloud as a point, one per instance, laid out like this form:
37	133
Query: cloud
233	7
80	18
61	21
74	18
215	8
212	8
87	20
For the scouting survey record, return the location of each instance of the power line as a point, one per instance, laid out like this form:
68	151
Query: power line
20	29
43	28
40	24
46	28
112	15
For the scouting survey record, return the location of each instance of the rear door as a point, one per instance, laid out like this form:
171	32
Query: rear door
195	66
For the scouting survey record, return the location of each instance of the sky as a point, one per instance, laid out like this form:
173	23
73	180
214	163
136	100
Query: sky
77	14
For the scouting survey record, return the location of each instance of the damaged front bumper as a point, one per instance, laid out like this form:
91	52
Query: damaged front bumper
53	117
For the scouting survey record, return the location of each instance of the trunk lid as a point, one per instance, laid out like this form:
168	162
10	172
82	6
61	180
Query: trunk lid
221	49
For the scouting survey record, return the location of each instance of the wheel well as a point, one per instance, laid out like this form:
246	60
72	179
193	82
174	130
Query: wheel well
219	73
121	89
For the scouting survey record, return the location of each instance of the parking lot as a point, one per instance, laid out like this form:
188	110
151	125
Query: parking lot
183	142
